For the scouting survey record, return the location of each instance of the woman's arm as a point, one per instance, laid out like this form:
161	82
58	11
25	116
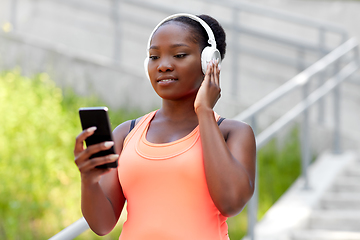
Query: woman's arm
102	198
229	165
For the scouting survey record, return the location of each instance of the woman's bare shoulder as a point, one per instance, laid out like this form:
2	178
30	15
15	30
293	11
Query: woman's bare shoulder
122	130
233	128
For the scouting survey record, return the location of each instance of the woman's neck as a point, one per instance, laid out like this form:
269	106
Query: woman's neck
178	110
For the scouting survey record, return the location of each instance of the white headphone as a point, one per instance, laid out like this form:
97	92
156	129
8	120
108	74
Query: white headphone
209	53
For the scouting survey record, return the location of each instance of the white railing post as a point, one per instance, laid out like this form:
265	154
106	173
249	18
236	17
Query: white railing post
336	93
322	74
305	139
253	203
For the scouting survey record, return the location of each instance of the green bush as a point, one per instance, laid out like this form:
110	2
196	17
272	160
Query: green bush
40	184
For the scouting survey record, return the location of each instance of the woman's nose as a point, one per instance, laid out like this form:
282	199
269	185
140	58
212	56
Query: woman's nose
165	65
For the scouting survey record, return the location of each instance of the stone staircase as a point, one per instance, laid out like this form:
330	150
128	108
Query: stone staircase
337	216
328	210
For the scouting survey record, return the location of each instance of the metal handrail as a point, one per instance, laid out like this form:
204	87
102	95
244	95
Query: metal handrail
301	80
291	115
72	231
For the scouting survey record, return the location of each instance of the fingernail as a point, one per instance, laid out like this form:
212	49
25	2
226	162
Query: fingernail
109	144
219	67
91	129
114	156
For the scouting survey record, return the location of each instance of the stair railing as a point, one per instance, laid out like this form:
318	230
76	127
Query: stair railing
72	231
302	80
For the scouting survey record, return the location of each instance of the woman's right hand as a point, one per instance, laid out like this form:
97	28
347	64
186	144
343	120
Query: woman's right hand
87	167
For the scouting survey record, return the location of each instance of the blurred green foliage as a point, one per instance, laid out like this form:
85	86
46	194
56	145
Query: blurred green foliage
40	184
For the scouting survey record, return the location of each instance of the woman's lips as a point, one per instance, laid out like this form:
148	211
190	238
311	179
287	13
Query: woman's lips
167	80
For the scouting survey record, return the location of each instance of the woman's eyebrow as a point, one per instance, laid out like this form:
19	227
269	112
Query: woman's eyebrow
179	45
153	47
172	46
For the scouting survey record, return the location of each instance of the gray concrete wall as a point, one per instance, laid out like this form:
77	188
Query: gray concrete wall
85	32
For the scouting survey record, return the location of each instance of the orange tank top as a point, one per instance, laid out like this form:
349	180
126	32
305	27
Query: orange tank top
166	190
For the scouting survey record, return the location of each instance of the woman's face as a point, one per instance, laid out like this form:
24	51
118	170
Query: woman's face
175	62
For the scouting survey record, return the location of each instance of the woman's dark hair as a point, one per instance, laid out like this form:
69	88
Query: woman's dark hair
199	35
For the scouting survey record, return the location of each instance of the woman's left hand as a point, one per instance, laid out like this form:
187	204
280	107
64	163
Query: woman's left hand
209	91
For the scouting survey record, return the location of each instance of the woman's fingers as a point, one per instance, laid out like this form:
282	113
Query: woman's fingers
213	72
212	76
87	166
90	164
208	72
217	72
79	142
86	154
209	91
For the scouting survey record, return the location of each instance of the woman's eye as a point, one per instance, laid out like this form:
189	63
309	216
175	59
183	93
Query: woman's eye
180	55
153	57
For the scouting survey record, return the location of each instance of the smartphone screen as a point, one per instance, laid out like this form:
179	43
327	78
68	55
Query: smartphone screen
98	116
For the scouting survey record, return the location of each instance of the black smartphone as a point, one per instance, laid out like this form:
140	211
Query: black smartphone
98	117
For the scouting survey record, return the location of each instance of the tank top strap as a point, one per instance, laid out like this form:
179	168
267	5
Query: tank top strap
141	124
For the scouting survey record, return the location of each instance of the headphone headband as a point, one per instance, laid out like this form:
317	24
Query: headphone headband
208	30
208	53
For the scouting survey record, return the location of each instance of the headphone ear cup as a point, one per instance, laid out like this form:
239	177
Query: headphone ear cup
208	54
146	63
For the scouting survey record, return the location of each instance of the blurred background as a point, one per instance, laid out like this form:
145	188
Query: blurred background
59	55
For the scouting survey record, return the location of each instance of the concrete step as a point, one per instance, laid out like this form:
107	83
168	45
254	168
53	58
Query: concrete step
340	200
346	184
324	235
353	170
337	220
